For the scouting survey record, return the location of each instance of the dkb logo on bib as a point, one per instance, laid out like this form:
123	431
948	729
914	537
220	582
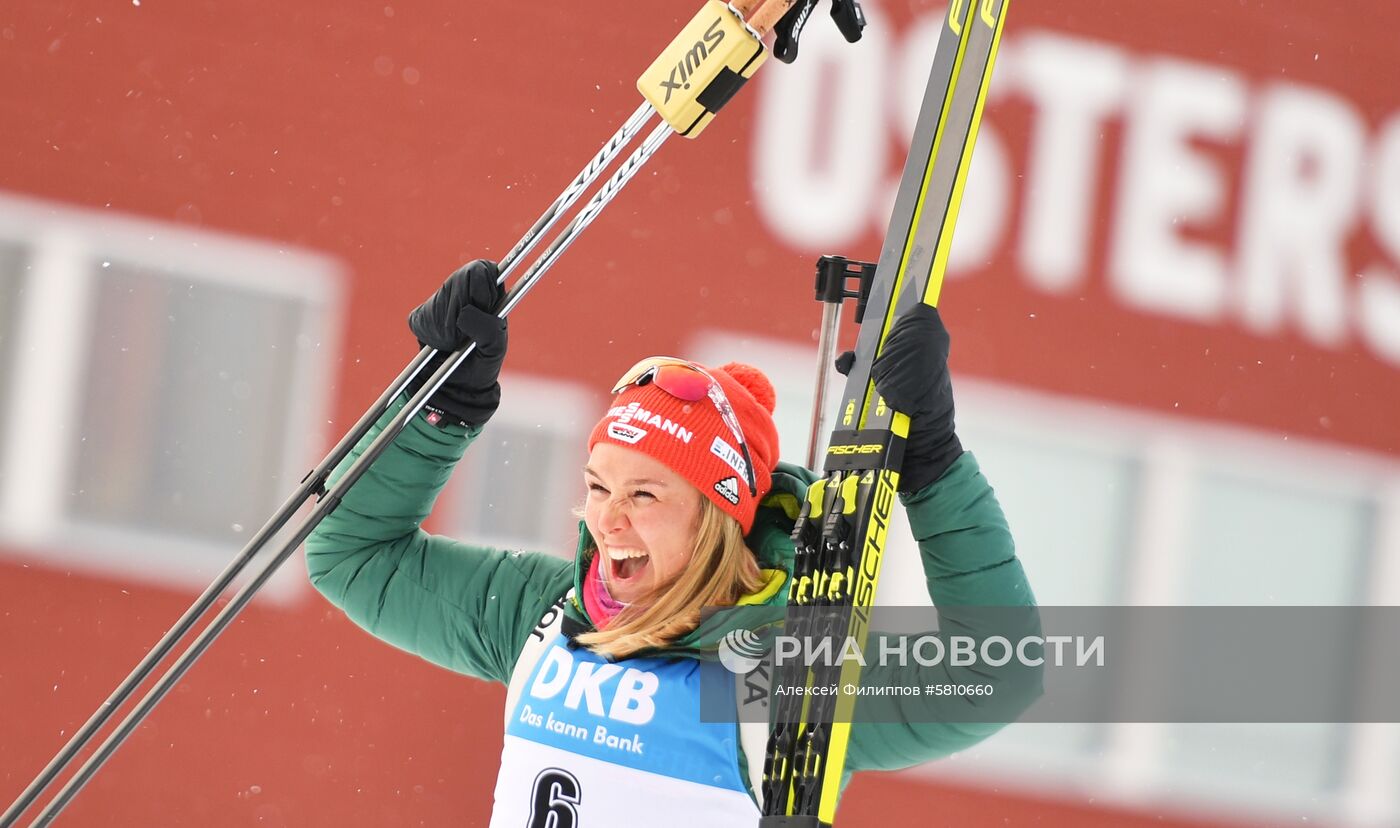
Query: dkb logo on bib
582	682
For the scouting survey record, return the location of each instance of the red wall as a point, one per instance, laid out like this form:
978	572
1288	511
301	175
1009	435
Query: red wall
406	139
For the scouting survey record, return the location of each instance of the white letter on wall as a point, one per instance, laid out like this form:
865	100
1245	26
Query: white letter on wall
1074	85
1301	192
1378	303
1166	182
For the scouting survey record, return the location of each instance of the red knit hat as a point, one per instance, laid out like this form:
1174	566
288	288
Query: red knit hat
691	439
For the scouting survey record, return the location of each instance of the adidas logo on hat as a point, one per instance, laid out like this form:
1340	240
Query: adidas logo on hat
728	489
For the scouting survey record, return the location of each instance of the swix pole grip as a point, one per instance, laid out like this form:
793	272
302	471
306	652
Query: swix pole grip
703	67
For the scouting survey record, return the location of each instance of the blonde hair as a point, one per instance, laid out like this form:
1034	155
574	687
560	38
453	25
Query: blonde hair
722	569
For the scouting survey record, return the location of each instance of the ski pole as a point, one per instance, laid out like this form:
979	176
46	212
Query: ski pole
326	503
692	112
310	484
576	188
313	483
329	499
826	351
832	275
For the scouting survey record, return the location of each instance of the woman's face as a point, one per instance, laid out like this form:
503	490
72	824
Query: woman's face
643	517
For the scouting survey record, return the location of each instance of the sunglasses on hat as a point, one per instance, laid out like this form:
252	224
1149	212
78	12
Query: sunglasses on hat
687	381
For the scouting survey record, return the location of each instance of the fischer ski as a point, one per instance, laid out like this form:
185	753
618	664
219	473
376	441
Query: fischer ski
840	532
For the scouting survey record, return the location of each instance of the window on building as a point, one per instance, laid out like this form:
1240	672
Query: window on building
1065	500
519	481
169	419
1275	539
1184	516
12	264
1295	538
184	400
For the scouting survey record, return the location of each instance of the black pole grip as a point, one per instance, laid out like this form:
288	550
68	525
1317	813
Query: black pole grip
849	17
833	273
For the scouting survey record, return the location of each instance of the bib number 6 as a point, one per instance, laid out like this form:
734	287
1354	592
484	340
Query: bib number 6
554	801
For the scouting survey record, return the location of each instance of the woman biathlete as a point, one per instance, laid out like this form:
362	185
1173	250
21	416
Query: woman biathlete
685	507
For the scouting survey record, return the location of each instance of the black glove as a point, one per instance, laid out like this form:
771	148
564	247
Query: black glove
464	309
911	373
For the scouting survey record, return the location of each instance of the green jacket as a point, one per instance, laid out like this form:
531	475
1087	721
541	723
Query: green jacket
471	608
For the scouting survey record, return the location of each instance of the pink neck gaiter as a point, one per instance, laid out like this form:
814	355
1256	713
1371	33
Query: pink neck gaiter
601	606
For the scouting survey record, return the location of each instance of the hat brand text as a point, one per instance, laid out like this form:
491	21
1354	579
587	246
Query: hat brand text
634	414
